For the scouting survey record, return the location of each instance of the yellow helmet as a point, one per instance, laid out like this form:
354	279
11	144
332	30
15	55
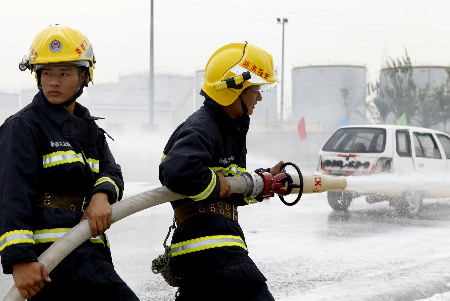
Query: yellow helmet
60	44
234	67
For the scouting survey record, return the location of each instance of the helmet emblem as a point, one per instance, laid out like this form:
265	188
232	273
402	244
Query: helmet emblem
55	46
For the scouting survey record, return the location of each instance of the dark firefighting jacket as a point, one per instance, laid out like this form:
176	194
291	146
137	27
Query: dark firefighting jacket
45	149
209	141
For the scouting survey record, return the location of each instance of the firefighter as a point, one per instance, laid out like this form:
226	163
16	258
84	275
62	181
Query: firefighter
56	169
209	255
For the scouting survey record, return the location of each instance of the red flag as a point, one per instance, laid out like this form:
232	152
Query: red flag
301	129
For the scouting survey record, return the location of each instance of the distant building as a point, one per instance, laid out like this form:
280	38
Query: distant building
126	103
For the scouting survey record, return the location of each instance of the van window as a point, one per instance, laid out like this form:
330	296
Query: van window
425	146
403	143
445	142
359	140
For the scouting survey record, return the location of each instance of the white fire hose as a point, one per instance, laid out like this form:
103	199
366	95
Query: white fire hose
251	185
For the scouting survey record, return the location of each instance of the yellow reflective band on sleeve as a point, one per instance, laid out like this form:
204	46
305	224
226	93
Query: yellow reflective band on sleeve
106	179
94	164
66	157
209	189
52	235
205	193
233	170
16	237
207	242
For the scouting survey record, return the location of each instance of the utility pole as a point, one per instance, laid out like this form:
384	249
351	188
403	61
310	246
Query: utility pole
151	86
282	21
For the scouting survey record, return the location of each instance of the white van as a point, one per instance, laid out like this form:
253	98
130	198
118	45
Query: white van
372	149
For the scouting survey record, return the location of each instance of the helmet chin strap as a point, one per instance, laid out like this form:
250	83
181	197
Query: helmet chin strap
73	98
244	106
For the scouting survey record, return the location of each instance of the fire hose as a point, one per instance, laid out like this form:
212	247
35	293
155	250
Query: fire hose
251	184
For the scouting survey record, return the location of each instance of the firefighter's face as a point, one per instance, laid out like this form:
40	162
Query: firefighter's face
61	82
250	97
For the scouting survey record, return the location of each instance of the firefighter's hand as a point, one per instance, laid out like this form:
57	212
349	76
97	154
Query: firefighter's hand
276	169
98	214
225	187
29	278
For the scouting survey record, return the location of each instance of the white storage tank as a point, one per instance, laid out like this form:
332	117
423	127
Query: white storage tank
423	76
329	96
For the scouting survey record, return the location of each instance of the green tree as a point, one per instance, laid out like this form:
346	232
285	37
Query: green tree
345	93
442	99
400	91
427	108
380	102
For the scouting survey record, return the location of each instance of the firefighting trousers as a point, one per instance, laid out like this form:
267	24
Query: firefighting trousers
238	282
85	277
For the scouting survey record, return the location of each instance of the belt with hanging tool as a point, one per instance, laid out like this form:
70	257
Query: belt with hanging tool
55	200
193	208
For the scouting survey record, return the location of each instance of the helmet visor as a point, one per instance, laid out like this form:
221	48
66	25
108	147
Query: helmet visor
74	63
267	87
263	88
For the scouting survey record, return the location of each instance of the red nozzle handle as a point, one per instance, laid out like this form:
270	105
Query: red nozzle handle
274	184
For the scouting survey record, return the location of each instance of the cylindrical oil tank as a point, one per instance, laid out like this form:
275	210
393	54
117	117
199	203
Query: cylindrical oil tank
329	96
423	76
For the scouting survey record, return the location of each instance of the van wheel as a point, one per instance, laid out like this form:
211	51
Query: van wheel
339	200
410	204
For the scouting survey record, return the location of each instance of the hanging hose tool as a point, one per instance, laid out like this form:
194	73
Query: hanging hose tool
250	184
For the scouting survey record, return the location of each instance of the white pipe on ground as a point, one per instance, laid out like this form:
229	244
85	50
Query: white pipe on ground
150	198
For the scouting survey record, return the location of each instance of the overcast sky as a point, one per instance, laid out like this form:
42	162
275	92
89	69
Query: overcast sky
187	32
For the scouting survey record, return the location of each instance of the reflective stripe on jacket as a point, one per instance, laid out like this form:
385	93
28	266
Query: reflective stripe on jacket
41	236
208	242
